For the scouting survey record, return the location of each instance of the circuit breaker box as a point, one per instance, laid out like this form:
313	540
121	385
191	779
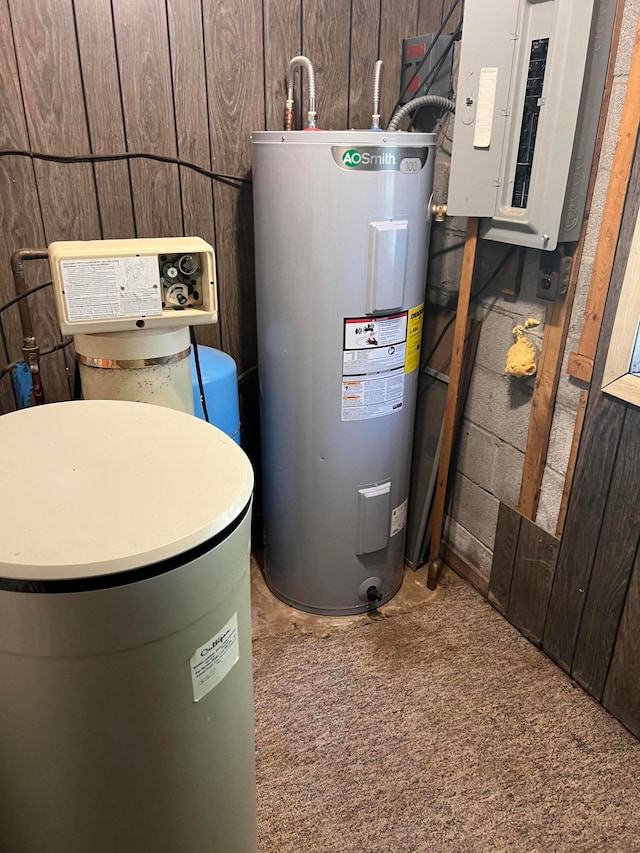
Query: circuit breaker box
529	92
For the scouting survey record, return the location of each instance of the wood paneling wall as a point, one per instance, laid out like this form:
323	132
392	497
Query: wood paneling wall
181	78
584	609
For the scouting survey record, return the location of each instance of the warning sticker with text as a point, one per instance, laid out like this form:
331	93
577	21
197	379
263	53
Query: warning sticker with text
414	337
211	662
373	366
111	288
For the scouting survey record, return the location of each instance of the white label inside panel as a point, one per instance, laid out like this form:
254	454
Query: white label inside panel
211	662
484	110
111	288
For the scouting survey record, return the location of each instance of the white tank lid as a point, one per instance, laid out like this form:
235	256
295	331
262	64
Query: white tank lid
101	486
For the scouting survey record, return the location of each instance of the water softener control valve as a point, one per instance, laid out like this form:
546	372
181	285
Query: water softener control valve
116	285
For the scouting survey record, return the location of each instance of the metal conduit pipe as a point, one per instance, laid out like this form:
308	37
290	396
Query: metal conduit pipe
20	286
300	61
377	86
422	101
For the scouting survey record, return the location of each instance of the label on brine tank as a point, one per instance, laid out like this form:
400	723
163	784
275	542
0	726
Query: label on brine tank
373	366
211	662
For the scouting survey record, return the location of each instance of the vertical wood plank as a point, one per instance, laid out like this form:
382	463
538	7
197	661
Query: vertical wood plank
325	40
56	119
282	41
594	469
48	65
504	557
533	572
192	127
145	74
101	83
622	690
365	22
429	16
582	528
605	596
233	44
20	222
398	20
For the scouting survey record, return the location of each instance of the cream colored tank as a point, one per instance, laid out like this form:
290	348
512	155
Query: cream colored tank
145	366
126	709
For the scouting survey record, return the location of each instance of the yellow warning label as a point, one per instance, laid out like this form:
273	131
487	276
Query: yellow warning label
414	338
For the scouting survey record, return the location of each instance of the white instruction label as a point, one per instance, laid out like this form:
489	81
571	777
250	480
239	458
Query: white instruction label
211	662
399	517
111	288
484	111
373	366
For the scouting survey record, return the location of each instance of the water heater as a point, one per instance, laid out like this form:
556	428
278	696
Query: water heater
342	224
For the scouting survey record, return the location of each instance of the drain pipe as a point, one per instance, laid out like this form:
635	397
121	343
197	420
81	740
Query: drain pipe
20	286
377	86
30	348
300	61
422	101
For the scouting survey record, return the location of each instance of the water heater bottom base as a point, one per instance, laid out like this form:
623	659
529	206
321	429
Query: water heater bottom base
365	607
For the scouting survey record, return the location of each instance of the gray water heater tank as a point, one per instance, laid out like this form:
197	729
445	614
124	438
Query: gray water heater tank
342	223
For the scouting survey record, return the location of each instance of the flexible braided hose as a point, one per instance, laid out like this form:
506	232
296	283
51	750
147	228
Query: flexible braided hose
377	86
311	82
422	101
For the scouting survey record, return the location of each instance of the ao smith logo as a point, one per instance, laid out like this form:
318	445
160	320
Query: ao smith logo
353	158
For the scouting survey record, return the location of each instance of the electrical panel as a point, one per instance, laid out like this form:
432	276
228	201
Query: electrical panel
115	285
437	69
529	92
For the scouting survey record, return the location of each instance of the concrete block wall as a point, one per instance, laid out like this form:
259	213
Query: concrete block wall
488	461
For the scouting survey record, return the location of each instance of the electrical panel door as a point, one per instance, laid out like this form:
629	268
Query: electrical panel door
522	69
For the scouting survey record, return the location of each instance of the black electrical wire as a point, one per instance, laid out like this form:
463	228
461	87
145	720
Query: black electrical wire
474	296
416	73
432	76
231	180
23	295
196	356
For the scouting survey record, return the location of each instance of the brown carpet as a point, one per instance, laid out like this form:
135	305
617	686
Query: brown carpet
435	729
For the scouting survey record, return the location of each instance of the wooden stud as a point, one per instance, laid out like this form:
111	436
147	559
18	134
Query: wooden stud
543	401
457	563
580	367
557	326
611	219
466	278
571	464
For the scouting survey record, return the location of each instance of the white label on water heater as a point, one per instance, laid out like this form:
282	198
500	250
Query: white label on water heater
211	662
373	361
399	517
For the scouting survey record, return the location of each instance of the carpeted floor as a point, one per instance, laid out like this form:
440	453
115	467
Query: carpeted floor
434	728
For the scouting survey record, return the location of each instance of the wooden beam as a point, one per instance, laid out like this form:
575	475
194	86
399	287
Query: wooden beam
464	295
571	464
580	366
611	219
457	563
544	394
557	325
